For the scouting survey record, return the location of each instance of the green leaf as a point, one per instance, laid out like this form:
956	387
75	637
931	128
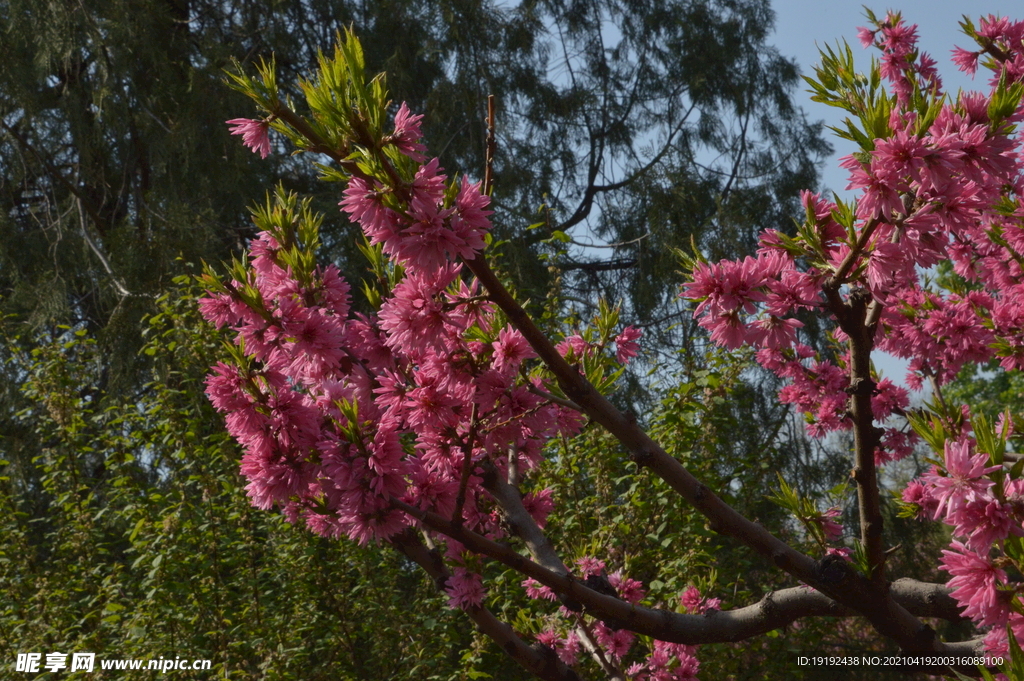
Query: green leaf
135	531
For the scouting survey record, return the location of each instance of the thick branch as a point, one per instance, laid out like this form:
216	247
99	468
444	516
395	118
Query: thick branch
538	660
522	524
775	610
923	599
866	435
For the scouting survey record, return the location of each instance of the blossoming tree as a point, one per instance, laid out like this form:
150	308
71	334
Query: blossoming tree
415	425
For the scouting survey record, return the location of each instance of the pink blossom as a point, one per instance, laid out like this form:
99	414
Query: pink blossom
984	521
630	590
465	589
829	526
888	399
574	347
691	599
364	202
590	566
567	648
841	551
471	220
727	329
255	134
974	585
539	505
966	60
218	310
615	643
774	332
569	651
1004	425
866	36
535	589
407	134
626	347
962	482
511	349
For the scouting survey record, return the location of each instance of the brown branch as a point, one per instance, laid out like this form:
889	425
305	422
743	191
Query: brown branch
921	598
537	659
775	610
925	599
467	466
866	436
522	524
844	586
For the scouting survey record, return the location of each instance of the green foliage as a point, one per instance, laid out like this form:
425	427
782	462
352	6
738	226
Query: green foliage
136	539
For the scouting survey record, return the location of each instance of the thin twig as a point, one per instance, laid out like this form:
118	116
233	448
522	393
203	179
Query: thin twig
467	466
491	147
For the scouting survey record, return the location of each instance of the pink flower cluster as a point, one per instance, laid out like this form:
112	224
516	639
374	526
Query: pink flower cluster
902	65
927	194
342	415
424	235
694	603
1004	35
943	184
983	514
465	589
667	662
830	528
339	413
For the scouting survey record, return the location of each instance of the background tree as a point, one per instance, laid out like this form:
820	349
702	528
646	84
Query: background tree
118	161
